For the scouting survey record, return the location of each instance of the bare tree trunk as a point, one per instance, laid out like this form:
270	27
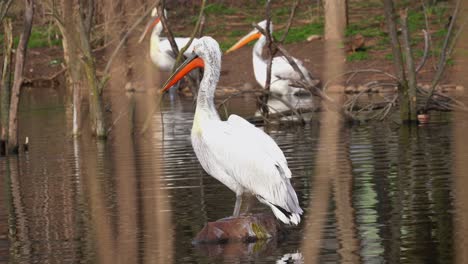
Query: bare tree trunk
346	13
71	57
411	70
95	95
75	28
18	81
5	88
390	16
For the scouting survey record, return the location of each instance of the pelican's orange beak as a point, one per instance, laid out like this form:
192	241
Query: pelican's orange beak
151	24
243	41
189	64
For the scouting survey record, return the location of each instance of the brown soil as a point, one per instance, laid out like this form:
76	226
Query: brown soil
237	72
42	63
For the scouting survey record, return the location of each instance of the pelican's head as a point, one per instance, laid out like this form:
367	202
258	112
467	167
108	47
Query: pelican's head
155	21
253	35
206	51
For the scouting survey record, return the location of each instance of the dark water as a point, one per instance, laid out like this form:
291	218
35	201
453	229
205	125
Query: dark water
141	200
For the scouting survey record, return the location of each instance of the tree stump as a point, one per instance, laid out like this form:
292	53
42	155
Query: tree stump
245	228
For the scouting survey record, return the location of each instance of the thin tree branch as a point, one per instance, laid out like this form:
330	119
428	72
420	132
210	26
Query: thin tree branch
290	19
426	51
170	36
192	36
443	55
120	45
4	6
271	53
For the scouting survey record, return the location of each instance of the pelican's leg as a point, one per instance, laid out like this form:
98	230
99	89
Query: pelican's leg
237	207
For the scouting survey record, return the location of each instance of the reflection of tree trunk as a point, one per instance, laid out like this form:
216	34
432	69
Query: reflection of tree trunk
5	85
157	211
460	163
343	190
100	221
123	154
327	159
18	81
18	221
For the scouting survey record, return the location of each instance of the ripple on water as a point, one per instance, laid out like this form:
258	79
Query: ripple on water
391	200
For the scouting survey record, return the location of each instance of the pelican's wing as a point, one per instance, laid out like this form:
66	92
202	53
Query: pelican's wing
281	69
255	161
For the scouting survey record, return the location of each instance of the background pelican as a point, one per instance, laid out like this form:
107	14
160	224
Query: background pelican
235	152
160	49
282	73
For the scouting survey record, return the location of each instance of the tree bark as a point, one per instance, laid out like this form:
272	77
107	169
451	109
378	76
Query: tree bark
71	57
390	16
411	70
95	95
5	86
18	79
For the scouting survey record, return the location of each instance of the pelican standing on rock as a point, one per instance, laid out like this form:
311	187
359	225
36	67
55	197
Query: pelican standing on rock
241	156
160	49
283	74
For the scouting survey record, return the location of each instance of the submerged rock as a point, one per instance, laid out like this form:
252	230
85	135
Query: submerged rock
245	228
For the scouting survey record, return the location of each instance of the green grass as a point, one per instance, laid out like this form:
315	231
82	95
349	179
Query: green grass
282	11
43	37
358	56
416	21
297	34
40	37
368	4
441	33
389	56
237	33
370	31
219	9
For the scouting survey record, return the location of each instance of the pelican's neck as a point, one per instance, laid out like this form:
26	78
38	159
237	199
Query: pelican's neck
258	47
205	98
259	64
154	40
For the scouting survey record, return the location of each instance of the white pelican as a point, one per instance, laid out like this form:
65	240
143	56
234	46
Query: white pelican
160	49
235	152
282	73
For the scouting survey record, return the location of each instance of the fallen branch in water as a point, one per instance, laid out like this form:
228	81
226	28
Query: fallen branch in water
46	78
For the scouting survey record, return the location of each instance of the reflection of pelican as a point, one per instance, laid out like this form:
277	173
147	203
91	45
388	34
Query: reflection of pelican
282	106
160	49
295	258
282	73
235	152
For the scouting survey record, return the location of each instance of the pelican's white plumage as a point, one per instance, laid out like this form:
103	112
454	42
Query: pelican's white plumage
160	48
235	152
283	74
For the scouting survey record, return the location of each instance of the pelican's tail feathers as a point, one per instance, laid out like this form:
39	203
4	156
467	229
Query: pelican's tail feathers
285	216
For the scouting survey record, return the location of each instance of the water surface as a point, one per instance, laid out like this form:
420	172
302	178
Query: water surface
142	198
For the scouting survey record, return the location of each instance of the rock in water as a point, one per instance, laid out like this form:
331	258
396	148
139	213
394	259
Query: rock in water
245	228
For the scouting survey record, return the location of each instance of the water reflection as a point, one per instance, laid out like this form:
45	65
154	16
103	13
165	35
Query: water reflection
137	199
